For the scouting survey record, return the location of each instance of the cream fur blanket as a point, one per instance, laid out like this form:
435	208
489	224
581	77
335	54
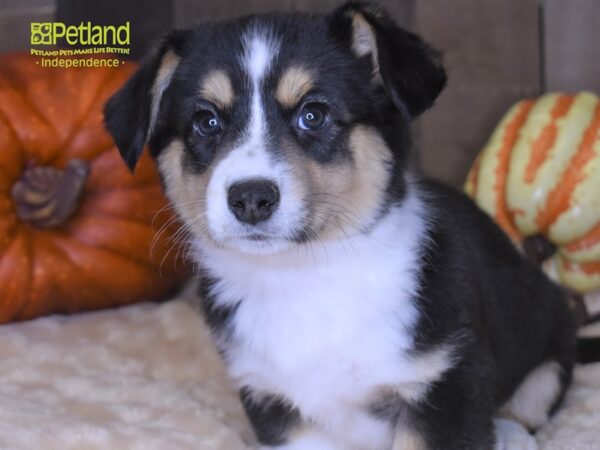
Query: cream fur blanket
147	377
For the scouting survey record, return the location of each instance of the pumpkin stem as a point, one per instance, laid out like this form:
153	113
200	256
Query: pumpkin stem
46	197
538	248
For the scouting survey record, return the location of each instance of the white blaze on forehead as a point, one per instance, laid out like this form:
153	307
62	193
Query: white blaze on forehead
249	158
260	50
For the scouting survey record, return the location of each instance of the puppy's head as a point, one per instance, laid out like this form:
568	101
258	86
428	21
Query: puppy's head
274	130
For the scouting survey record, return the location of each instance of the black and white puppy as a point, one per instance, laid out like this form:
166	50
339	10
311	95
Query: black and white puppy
356	304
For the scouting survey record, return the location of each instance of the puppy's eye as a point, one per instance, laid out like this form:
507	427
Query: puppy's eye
206	123
313	116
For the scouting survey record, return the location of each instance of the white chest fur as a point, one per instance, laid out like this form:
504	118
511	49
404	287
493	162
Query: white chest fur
327	326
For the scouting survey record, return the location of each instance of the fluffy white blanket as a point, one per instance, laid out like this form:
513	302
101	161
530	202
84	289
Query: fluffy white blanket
147	377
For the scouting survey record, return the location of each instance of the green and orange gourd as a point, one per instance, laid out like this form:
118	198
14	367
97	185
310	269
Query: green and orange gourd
539	178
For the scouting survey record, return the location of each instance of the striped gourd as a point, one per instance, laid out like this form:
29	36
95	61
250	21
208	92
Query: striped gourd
539	178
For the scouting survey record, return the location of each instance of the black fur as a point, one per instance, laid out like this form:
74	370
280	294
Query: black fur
507	316
217	317
272	417
504	315
588	350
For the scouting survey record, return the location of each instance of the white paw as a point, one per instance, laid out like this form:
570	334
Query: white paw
511	435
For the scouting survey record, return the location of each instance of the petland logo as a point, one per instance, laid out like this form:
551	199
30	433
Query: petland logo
87	39
53	33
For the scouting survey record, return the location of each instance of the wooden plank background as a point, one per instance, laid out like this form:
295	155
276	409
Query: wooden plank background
15	17
571	31
492	55
496	52
148	22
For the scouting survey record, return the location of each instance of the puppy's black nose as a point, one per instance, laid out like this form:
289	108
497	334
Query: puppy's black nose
253	201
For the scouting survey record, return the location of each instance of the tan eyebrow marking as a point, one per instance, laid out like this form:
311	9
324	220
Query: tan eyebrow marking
217	88
293	85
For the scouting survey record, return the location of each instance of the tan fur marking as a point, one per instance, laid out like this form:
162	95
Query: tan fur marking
364	42
345	196
328	188
293	85
185	191
217	88
428	368
169	63
372	159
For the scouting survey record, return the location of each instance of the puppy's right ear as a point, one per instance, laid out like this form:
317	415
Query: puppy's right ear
409	69
131	113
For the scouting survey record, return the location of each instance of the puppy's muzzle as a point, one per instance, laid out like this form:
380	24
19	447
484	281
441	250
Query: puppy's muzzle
253	201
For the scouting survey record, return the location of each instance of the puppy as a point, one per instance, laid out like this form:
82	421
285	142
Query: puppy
356	304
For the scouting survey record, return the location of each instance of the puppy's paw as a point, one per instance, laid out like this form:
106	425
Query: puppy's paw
307	440
511	435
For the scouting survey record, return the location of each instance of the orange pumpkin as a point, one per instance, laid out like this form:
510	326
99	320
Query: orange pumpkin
75	225
539	178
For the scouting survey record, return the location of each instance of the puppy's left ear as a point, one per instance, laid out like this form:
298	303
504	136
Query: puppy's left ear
131	114
410	70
